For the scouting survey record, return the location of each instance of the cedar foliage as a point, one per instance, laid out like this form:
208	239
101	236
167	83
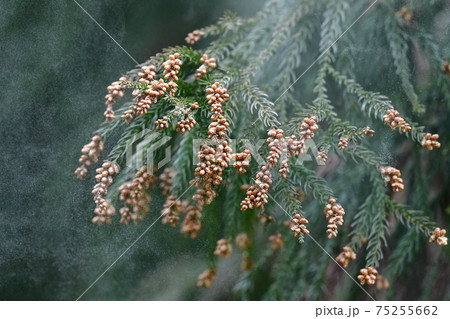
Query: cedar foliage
386	61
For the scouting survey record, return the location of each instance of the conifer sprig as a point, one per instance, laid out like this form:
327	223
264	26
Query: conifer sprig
227	91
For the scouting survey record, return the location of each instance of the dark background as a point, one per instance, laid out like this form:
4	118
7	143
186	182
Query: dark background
55	66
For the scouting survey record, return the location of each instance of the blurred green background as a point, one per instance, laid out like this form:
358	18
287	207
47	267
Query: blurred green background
55	66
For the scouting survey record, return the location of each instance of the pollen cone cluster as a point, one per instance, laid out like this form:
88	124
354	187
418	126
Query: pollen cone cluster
171	211
103	210
166	181
206	278
133	195
405	14
392	176
217	95
308	127
171	70
322	157
393	119
115	90
289	146
430	141
299	225
247	263
212	160
144	99
154	89
368	132
208	174
278	144
223	248
346	256
243	241
186	125
277	241
335	215
127	216
368	276
438	236
275	137
257	194
382	283
209	171
147	74
89	155
283	171
343	143
242	160
206	67
172	67
162	124
192	223
174	208
194	36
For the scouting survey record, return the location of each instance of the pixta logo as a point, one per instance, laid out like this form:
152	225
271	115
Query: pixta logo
142	148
